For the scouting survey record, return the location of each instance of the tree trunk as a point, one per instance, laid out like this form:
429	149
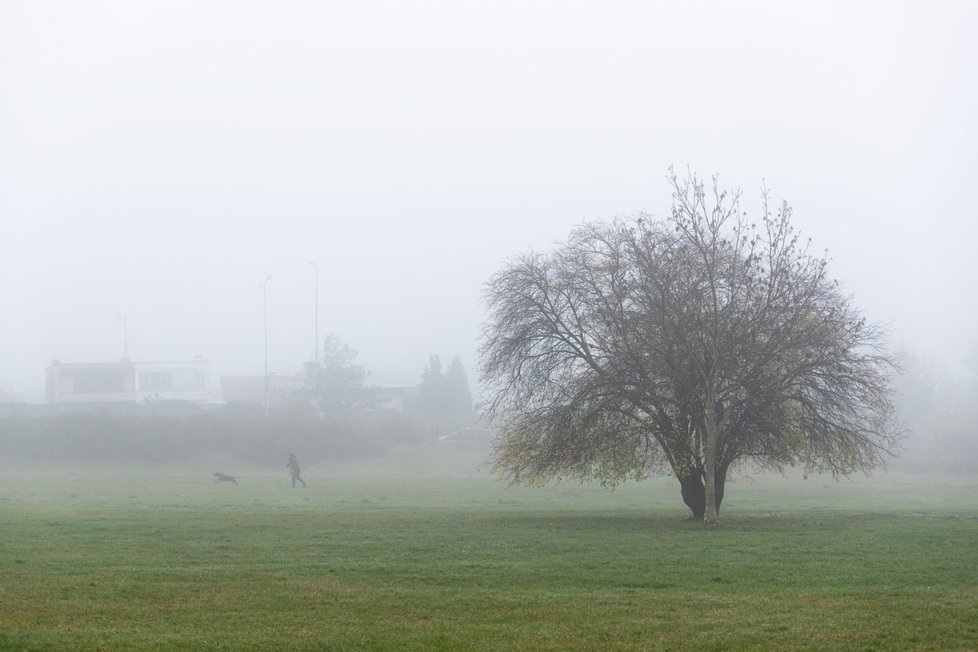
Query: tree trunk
711	513
694	490
711	508
694	494
719	480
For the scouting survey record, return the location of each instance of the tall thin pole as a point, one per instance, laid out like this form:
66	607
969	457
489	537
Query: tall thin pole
264	298
315	349
315	355
125	337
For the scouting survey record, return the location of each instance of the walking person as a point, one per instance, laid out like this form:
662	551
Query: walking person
294	470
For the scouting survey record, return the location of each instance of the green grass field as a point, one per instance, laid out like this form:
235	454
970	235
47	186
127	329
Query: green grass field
362	560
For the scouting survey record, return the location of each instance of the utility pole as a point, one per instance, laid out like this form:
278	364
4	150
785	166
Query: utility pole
264	296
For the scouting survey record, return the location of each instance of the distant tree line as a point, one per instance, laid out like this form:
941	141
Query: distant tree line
940	410
338	383
443	392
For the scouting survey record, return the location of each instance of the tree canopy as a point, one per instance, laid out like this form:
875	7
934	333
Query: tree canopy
444	392
336	383
687	345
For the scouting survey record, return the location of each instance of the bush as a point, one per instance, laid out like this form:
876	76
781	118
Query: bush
238	433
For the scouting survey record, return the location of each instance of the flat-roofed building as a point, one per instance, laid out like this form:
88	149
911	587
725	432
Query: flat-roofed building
128	382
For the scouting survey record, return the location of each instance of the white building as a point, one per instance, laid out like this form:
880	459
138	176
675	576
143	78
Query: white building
129	382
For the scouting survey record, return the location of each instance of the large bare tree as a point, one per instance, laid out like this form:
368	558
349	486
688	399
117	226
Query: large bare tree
687	345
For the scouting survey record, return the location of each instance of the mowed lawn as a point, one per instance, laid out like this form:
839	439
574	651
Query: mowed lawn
362	560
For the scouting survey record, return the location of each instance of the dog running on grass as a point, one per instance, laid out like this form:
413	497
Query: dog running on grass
226	478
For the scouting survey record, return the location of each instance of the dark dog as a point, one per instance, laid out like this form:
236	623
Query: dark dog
226	478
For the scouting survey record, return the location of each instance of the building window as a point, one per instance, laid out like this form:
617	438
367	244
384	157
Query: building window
171	380
154	380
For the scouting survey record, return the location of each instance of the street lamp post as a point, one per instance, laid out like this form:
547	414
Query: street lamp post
264	298
315	349
125	337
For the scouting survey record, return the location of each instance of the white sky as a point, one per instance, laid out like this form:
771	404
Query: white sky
159	159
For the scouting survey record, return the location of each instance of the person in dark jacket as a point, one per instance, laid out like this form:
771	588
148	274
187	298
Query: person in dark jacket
294	470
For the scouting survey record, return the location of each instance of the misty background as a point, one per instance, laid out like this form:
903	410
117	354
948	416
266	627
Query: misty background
159	160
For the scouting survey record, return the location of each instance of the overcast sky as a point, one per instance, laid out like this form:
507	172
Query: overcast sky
159	159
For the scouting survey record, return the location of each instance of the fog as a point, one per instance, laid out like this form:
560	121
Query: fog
159	160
